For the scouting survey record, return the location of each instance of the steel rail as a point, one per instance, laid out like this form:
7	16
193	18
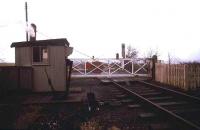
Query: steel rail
161	109
173	91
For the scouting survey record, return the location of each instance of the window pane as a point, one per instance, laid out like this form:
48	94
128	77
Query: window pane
40	54
45	54
36	54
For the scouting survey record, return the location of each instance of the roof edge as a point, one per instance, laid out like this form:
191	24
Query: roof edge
48	42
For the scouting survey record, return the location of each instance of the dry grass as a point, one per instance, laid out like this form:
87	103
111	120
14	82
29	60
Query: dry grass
91	125
27	117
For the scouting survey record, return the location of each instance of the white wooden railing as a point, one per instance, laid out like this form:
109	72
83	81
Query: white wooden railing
109	67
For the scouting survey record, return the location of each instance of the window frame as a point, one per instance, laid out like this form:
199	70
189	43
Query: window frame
40	50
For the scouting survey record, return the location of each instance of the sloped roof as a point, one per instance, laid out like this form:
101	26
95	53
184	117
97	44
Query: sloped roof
49	42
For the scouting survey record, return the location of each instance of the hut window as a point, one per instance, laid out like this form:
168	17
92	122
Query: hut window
40	54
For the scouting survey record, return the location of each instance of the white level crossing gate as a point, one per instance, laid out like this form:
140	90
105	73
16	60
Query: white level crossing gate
111	67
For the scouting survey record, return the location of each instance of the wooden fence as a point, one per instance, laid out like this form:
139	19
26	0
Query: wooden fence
16	78
184	76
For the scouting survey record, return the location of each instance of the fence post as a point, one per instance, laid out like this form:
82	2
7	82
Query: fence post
109	68
132	68
184	77
154	61
85	67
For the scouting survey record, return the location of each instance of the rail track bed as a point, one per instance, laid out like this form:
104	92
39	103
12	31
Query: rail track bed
177	107
122	105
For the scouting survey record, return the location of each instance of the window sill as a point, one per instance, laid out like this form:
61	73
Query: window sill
40	64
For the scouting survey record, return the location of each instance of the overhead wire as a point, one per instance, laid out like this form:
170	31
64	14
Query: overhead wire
45	35
82	53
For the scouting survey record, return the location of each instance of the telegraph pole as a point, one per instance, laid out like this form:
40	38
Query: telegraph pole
26	11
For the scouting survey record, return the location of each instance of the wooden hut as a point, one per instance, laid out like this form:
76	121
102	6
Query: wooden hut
48	61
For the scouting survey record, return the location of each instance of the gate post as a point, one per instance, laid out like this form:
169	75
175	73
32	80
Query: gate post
154	61
69	64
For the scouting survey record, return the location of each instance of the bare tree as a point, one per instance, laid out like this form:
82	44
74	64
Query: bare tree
172	59
169	58
151	52
131	52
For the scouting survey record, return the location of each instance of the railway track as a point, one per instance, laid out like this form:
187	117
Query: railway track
127	105
180	108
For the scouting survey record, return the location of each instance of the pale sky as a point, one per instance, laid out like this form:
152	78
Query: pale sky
99	27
